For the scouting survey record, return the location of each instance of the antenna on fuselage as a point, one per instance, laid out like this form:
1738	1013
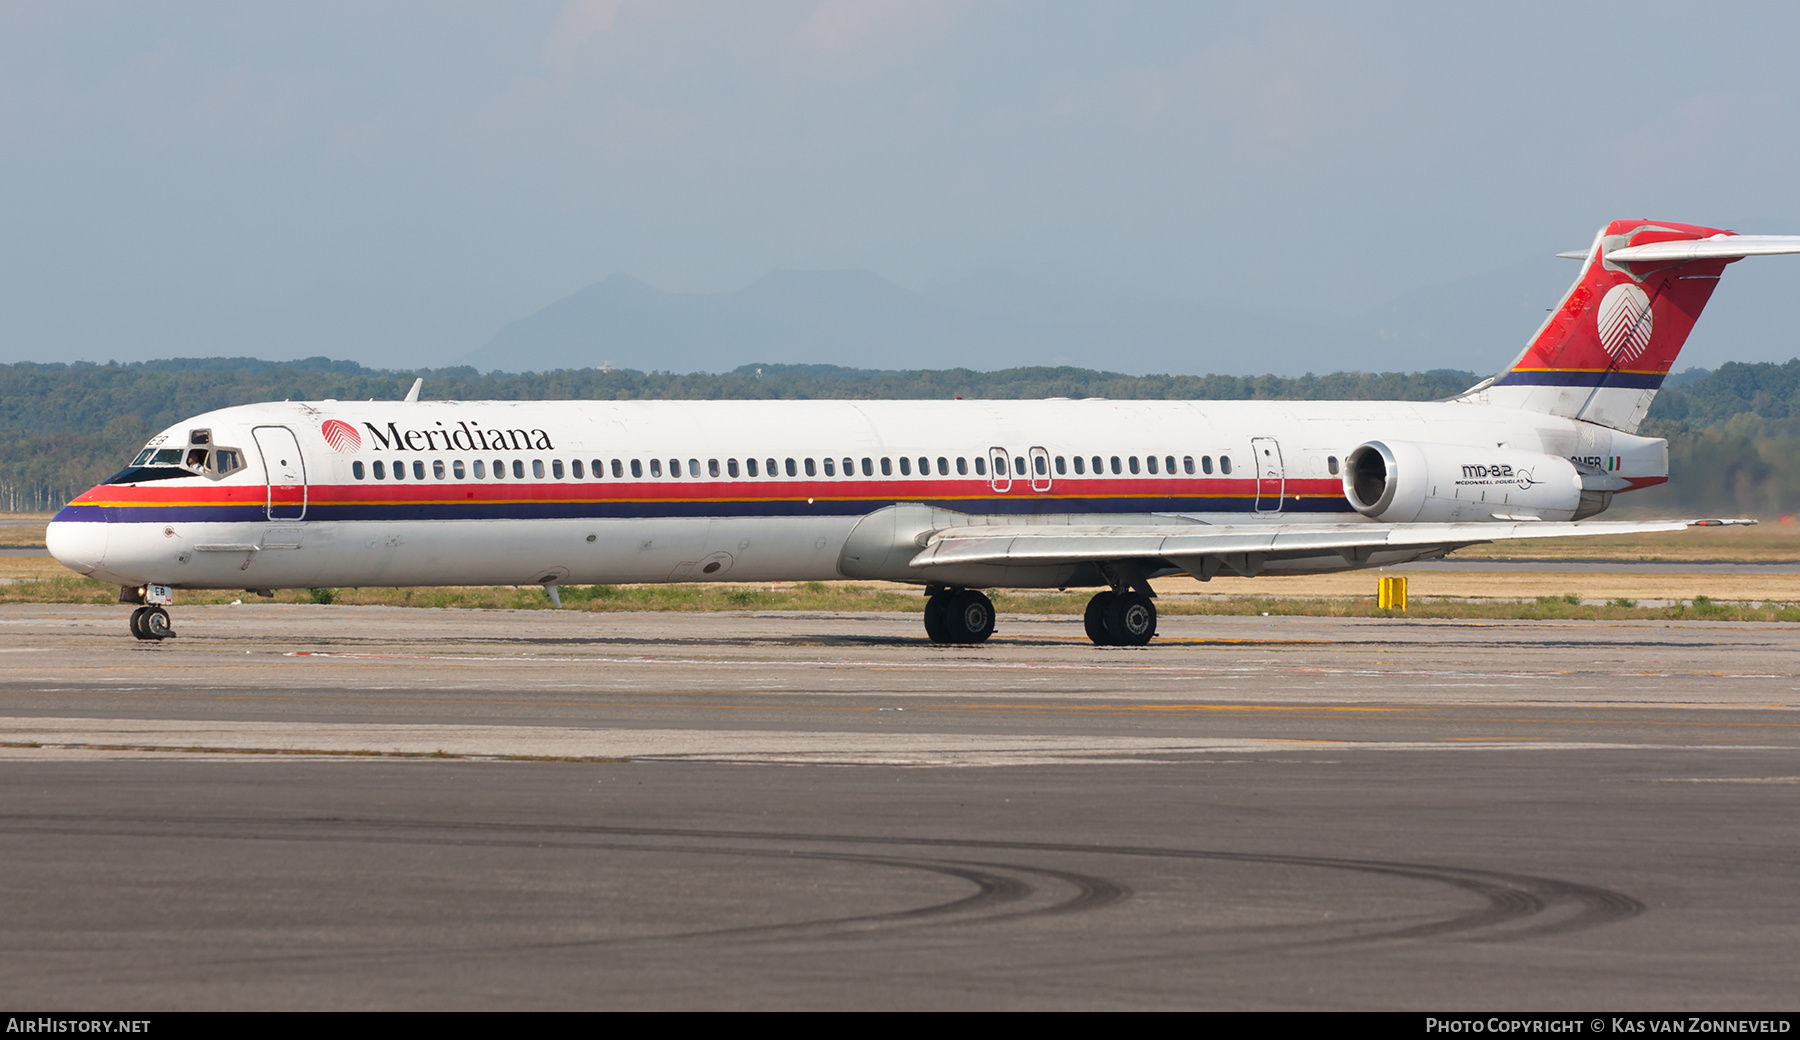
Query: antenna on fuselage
413	394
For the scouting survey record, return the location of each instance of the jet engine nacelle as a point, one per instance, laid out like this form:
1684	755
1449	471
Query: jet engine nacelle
1405	482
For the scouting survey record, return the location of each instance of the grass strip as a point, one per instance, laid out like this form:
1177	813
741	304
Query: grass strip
843	596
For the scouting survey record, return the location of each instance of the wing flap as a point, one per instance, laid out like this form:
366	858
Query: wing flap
1028	546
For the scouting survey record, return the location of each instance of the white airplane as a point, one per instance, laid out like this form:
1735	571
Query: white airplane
956	496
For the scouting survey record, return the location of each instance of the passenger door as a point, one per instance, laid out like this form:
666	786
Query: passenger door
1000	470
1270	480
285	471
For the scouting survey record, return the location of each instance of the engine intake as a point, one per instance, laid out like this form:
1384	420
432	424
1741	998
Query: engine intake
1405	482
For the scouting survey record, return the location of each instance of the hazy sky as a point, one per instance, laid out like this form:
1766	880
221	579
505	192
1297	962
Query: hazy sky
393	182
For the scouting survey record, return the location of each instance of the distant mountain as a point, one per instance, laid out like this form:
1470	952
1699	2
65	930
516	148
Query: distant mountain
994	319
852	318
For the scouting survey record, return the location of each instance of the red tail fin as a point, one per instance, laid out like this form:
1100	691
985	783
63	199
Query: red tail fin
1602	354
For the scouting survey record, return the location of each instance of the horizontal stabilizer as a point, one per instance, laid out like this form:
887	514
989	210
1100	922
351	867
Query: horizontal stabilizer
1718	247
1039	545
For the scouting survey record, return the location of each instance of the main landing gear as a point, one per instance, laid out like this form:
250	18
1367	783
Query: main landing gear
958	616
1124	618
151	623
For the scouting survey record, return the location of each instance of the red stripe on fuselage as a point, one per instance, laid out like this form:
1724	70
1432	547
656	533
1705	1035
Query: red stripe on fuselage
699	490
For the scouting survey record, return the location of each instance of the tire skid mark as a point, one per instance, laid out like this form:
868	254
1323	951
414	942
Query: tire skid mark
1513	906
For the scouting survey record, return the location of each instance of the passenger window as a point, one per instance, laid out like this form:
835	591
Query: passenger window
1019	466
980	466
693	467
480	470
1062	468
1206	464
1169	464
999	465
830	469
943	466
905	466
637	468
712	467
618	469
1151	463
1080	466
437	468
1098	467
1187	464
750	465
356	470
962	466
772	469
457	471
598	470
887	466
791	471
537	469
810	470
849	467
1224	464
575	468
656	467
1042	465
731	467
379	470
868	468
1115	465
1133	463
924	466
1331	464
675	468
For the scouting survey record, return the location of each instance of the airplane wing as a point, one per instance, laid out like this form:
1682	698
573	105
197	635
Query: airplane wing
1205	550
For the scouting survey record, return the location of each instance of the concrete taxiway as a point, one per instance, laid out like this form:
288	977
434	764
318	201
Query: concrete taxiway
300	806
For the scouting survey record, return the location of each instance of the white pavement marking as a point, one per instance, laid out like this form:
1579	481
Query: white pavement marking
36	739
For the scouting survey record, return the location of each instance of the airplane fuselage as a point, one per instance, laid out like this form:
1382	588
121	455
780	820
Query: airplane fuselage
584	492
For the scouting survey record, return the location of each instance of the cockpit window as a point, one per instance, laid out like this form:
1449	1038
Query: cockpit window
195	460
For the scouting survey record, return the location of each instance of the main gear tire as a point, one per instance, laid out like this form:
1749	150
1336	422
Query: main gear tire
937	617
1094	618
970	617
1131	619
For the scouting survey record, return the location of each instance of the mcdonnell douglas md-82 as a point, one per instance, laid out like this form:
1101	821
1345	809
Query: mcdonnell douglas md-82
956	496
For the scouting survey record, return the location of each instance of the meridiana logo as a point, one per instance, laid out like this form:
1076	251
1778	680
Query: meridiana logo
1625	322
342	436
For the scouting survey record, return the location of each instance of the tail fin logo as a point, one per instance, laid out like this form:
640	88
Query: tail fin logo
1625	322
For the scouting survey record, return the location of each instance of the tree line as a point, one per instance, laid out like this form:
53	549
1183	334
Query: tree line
1734	433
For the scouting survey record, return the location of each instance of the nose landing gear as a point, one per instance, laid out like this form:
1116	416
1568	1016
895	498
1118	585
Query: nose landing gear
151	623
